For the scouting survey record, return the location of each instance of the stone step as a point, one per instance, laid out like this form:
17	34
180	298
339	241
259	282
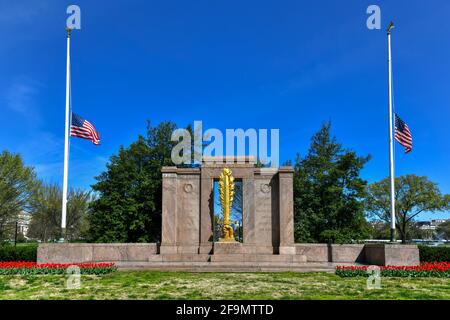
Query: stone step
205	264
223	263
258	258
194	257
185	257
227	266
155	258
228	269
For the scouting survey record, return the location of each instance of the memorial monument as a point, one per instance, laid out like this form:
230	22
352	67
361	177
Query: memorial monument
198	202
188	209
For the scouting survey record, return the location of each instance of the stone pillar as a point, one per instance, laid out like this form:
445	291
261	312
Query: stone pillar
169	210
206	198
266	210
286	196
188	210
248	210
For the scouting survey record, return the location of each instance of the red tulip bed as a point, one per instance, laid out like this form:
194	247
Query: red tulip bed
426	269
32	268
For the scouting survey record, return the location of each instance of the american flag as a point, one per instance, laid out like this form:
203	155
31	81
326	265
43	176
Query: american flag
82	128
402	134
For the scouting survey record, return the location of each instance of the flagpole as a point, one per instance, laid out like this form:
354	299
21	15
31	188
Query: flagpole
391	134
66	141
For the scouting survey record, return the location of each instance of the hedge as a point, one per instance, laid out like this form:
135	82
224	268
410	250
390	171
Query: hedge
19	253
432	254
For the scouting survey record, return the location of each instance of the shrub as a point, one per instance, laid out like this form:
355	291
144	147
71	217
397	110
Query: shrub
430	254
18	253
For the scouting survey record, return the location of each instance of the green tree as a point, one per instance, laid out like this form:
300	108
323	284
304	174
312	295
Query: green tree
380	230
128	207
45	212
328	192
413	195
17	185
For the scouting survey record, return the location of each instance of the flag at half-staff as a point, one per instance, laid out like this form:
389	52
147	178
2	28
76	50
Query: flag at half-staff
398	130
81	128
403	134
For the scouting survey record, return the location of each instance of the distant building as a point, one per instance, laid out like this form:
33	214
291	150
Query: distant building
424	225
23	223
437	222
375	224
428	229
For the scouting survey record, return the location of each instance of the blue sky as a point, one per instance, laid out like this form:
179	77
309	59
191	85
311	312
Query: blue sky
232	64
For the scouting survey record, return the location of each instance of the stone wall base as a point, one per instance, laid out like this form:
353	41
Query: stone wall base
382	254
95	252
373	254
392	254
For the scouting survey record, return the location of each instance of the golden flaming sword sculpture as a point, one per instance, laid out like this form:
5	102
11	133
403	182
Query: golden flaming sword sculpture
226	191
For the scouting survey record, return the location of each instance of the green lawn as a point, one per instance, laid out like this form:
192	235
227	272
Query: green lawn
180	285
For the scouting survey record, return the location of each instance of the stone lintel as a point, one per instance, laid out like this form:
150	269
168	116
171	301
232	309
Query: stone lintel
265	171
175	170
223	161
169	169
286	169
